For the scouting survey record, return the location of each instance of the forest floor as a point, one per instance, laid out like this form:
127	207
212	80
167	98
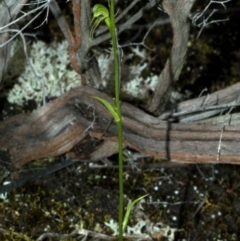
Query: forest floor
202	202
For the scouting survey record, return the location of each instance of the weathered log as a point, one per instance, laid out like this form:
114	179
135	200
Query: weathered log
81	127
77	124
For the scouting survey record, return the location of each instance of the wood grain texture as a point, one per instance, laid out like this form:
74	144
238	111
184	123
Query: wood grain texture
75	124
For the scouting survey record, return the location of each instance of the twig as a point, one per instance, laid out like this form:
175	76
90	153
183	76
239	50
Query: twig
206	21
24	178
82	232
126	10
77	41
74	41
199	110
8	11
88	233
41	8
56	11
143	40
219	145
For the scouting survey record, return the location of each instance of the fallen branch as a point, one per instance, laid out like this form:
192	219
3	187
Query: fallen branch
80	126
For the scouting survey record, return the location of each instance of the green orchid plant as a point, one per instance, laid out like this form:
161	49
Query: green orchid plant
101	13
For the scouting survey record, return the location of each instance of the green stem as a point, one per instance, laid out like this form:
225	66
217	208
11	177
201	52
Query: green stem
118	109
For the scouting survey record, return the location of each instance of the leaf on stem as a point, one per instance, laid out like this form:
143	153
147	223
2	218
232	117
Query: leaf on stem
110	108
129	209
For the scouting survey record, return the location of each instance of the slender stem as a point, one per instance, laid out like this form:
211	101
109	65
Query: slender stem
119	123
120	173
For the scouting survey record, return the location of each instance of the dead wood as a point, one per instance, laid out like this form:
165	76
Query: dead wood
8	12
76	124
178	12
189	111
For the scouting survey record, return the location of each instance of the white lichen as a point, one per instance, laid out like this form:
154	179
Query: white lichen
133	84
113	225
144	226
47	74
154	229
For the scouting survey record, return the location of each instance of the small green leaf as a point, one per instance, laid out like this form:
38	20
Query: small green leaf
110	108
129	209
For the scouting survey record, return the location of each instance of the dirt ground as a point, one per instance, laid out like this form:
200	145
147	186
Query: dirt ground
201	201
